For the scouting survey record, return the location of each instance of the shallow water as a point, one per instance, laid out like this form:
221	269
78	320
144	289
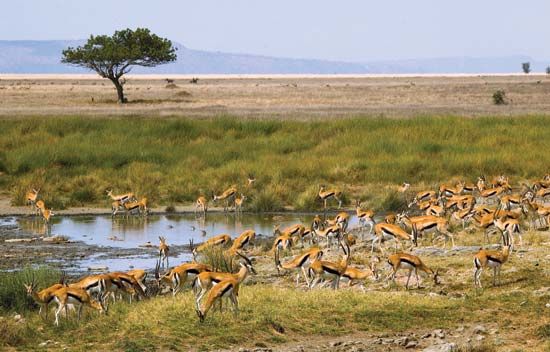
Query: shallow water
120	232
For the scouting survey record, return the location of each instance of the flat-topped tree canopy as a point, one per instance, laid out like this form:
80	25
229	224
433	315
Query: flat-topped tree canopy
113	56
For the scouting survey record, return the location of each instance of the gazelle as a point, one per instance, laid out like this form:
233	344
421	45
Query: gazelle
366	217
42	297
239	203
507	201
412	263
31	197
491	193
320	269
201	205
297	230
164	249
227	196
425	224
404	187
242	241
422	196
219	240
325	195
358	276
492	259
390	218
328	233
47	215
250	180
127	284
282	242
75	296
300	263
176	277
463	216
542	211
341	220
99	286
39	207
205	280
122	198
507	227
317	223
460	202
449	191
227	288
384	229
140	206
140	275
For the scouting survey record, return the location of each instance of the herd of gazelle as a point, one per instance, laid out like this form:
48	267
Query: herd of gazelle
490	206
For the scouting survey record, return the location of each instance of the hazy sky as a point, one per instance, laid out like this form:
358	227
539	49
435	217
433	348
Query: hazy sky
338	30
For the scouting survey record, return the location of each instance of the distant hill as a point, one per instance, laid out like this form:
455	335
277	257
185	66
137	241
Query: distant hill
29	56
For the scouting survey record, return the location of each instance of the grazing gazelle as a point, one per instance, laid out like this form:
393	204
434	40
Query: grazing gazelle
226	288
320	269
358	276
75	296
492	259
244	239
205	280
300	263
201	205
31	197
176	277
227	196
164	249
219	240
384	229
297	230
412	263
325	195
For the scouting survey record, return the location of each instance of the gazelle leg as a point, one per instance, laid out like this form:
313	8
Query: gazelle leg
417	280
408	278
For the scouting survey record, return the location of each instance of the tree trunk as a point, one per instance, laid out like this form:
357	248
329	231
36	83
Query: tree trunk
119	90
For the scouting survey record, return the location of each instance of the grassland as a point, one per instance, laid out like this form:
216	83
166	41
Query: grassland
274	313
173	160
275	96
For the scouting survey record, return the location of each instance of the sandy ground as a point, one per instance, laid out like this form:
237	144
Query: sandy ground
281	96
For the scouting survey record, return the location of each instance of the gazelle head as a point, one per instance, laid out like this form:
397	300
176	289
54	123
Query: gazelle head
31	287
246	262
276	230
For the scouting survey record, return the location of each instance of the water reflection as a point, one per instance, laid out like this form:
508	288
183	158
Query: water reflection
178	229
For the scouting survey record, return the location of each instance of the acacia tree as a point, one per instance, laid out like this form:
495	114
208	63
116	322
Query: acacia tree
114	56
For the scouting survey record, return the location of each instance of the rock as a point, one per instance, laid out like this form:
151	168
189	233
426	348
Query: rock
387	341
460	329
543	291
335	344
98	268
439	333
547	305
445	347
402	341
17	317
480	338
425	336
18	240
479	329
411	344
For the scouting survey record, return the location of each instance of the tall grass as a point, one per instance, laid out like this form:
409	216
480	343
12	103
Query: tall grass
13	295
174	160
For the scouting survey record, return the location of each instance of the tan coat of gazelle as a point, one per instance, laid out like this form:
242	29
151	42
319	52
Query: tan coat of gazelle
490	259
75	296
412	263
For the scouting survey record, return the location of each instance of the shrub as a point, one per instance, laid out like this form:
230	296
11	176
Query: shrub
12	292
170	208
499	97
548	70
308	199
265	201
393	202
84	196
219	259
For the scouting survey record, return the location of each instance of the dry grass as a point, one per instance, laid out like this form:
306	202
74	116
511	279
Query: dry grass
289	97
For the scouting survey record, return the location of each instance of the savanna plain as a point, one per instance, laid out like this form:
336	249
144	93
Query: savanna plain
364	136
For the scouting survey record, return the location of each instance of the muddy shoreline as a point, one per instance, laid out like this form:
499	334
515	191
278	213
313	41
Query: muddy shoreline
63	255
